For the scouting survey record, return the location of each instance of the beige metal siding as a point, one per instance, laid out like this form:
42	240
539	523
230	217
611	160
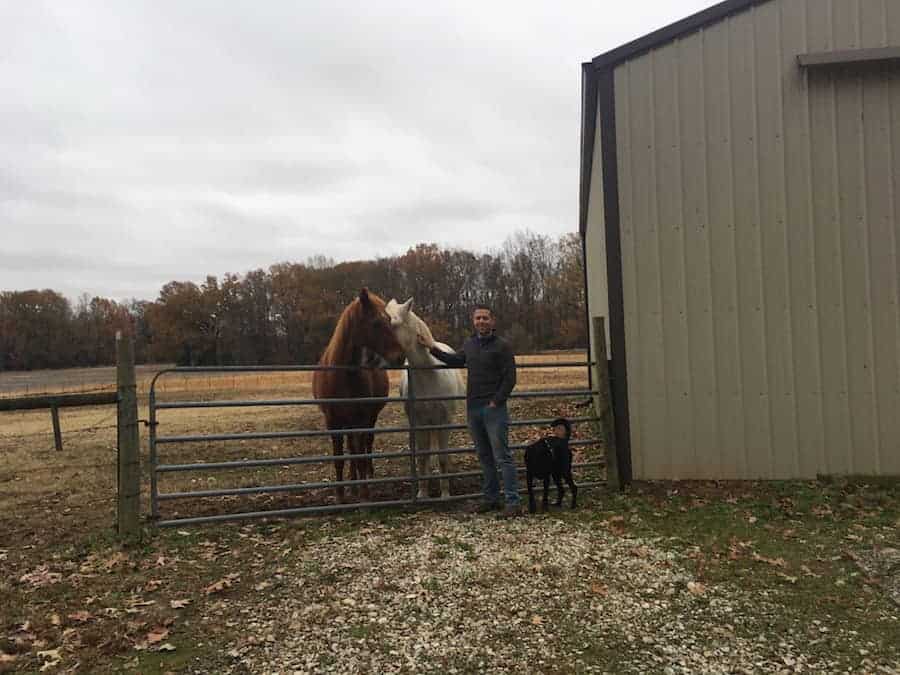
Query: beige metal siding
760	245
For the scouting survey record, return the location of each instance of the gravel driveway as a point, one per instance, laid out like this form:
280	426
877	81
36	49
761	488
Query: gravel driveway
455	593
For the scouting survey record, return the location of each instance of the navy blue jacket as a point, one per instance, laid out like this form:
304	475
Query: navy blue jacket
491	368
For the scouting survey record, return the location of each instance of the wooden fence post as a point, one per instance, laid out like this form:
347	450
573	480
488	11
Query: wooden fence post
129	494
603	404
57	434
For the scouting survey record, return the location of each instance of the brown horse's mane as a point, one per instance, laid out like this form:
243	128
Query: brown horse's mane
336	351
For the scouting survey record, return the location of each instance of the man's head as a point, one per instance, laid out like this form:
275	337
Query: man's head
483	320
561	427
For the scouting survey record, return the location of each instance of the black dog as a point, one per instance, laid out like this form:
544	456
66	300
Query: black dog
551	456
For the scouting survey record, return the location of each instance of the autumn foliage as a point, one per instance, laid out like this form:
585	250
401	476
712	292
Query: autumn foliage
286	314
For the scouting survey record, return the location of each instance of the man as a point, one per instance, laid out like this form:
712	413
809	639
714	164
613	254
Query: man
491	377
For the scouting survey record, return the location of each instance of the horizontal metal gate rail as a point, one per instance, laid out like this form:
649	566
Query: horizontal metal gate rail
155	440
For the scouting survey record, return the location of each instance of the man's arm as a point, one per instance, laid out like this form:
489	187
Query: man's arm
457	359
509	376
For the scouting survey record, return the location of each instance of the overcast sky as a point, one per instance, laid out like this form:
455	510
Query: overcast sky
144	142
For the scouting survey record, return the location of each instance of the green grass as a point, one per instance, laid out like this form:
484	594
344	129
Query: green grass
790	542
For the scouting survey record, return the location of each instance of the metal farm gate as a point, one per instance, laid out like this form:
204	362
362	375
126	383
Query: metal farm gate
159	440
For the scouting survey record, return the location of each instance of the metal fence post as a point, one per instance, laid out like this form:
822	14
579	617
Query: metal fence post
603	404
129	470
154	460
411	416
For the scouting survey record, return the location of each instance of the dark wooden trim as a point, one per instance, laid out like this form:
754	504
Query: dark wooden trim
850	57
587	306
58	401
588	129
606	99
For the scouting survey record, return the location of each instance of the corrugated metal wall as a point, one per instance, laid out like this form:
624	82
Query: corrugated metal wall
760	244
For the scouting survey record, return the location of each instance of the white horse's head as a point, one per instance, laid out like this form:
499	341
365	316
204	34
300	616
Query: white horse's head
406	325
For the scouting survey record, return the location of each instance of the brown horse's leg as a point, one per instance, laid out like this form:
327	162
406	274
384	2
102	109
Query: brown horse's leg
370	443
337	446
359	465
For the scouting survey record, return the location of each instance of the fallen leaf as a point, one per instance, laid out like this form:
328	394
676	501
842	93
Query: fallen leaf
599	589
50	655
81	616
536	620
808	572
157	635
168	647
696	588
55	620
221	584
40	577
179	604
7	658
49	664
153	584
787	578
114	560
261	586
777	562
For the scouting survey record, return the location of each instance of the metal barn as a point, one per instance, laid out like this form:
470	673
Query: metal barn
740	201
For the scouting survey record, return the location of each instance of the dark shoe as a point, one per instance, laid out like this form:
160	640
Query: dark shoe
512	511
486	507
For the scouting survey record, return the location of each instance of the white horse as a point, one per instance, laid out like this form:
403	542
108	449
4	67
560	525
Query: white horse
442	382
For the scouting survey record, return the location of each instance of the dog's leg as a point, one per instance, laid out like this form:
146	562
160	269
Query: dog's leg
529	478
546	491
572	486
559	488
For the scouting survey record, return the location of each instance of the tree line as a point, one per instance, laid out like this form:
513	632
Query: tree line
286	314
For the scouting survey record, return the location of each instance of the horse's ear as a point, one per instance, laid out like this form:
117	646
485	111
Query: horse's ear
364	298
406	306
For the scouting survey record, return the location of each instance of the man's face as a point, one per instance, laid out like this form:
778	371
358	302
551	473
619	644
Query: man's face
559	431
484	322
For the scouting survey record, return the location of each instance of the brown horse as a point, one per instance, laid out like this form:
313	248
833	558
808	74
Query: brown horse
363	337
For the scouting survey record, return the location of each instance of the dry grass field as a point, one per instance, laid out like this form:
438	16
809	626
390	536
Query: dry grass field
708	577
83	475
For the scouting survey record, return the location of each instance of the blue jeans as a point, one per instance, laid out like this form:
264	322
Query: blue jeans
489	428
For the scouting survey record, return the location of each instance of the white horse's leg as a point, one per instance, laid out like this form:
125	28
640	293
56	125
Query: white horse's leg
423	463
442	438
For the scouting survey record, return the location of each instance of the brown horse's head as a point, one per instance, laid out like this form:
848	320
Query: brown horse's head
366	327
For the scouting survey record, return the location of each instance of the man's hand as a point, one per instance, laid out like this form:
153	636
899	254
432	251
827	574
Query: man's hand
424	340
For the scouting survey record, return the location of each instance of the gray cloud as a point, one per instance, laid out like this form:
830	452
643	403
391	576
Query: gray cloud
145	141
